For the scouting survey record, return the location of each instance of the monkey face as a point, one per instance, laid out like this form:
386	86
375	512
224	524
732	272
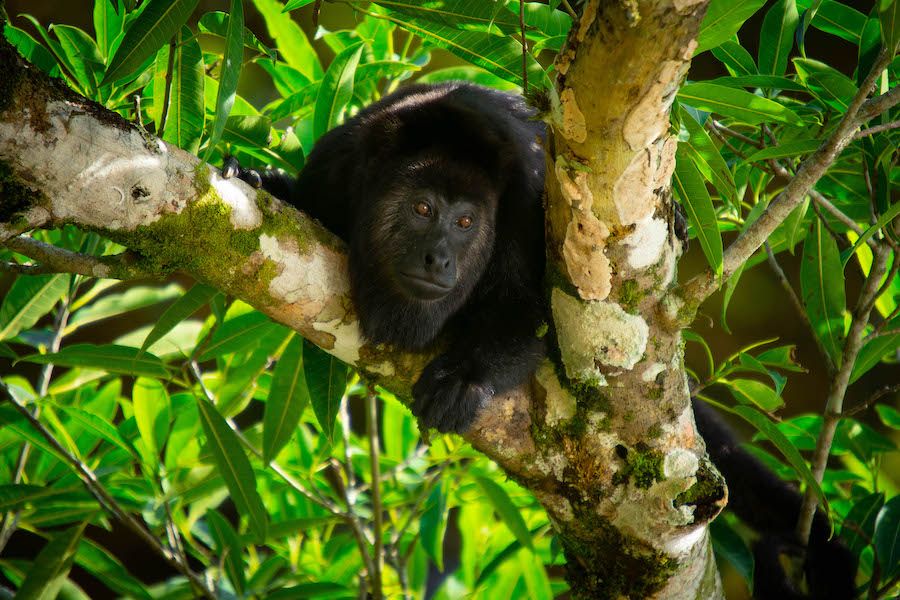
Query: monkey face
435	242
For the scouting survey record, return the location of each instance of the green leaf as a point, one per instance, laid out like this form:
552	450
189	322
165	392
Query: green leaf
433	524
32	50
251	132
706	157
783	357
774	435
883	220
107	24
822	289
829	85
723	19
228	549
859	524
468	73
50	568
501	55
97	426
728	544
471	14
112	305
873	351
736	103
181	309
107	357
295	4
889	415
217	22
691	189
293	45
840	20
336	90
546	19
229	72
326	379
98	562
794	149
152	412
288	396
83	54
889	13
184	121
237	334
749	391
28	299
736	58
728	292
768	82
507	510
887	538
234	467
156	25
777	37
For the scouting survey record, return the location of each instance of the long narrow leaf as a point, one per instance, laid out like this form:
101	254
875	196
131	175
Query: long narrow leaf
288	396
234	466
229	73
691	189
156	25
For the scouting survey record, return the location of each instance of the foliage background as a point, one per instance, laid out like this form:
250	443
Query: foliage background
498	540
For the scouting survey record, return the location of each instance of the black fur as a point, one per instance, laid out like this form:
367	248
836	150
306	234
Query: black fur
461	148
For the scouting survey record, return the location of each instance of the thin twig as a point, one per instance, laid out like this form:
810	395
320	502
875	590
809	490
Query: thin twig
168	89
25	222
569	9
524	46
53	259
105	499
877	129
374	461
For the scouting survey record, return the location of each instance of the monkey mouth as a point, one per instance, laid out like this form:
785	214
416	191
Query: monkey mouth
424	288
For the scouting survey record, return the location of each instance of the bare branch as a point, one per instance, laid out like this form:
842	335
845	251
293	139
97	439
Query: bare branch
876	129
52	259
835	402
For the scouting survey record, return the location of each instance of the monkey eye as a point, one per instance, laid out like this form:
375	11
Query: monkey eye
422	208
464	222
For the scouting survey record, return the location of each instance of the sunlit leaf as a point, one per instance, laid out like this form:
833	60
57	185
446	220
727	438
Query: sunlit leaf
107	357
507	510
723	19
50	568
822	289
692	192
156	25
288	396
777	37
326	379
229	72
234	467
28	299
433	524
736	103
336	90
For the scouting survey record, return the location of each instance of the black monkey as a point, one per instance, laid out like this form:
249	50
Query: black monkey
438	192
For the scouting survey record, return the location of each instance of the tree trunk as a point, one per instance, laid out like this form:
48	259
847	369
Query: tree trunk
604	436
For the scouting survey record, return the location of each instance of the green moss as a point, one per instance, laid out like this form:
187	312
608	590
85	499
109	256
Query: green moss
12	73
603	563
642	466
629	296
707	495
282	220
200	239
654	432
16	197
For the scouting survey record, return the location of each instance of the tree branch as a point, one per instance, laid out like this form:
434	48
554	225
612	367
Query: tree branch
52	259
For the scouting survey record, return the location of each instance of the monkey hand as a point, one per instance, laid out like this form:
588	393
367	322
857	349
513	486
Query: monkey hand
446	396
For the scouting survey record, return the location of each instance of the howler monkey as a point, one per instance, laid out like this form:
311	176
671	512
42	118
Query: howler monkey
438	192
